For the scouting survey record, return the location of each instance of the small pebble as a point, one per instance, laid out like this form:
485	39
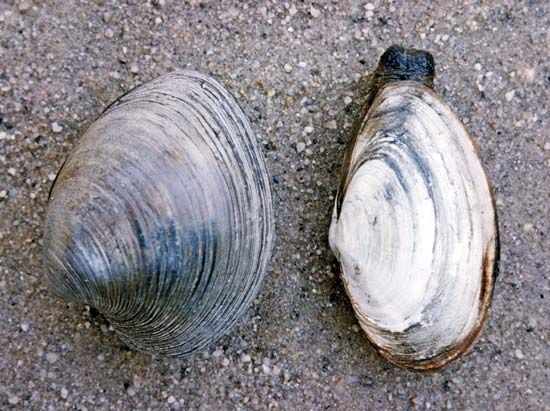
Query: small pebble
314	12
109	33
52	357
134	69
519	354
56	128
288	101
308	129
347	100
300	147
24	327
24	7
158	21
331	125
64	393
369	6
510	95
527	227
292	10
246	358
288	68
12	171
13	400
51	176
3	194
547	146
171	399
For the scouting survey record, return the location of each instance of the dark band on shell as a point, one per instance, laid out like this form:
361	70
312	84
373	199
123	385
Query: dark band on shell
161	217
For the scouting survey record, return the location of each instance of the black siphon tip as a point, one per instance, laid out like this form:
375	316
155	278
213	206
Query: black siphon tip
398	64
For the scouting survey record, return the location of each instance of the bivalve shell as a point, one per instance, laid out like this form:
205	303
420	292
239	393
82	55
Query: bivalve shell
414	225
161	217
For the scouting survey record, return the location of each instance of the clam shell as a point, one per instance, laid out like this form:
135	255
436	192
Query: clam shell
161	217
415	230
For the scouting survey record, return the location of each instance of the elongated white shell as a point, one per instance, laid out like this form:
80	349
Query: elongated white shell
161	216
415	231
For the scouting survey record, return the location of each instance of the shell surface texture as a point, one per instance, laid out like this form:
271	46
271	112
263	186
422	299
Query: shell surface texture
161	217
414	225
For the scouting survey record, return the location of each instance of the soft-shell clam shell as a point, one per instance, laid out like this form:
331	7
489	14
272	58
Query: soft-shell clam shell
414	227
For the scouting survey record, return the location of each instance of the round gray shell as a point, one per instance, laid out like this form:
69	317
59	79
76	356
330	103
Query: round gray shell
162	217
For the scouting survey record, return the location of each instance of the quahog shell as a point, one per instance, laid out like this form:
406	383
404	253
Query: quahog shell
161	217
414	225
